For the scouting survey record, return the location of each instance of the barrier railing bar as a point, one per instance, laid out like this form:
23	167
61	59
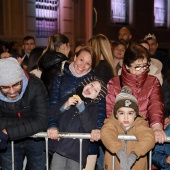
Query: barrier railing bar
65	135
86	136
79	136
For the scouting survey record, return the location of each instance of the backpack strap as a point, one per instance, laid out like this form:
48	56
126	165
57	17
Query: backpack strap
62	66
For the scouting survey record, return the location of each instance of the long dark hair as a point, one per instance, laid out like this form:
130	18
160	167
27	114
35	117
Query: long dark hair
34	57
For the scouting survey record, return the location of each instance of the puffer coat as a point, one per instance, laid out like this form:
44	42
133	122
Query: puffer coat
50	63
145	88
74	121
29	115
67	84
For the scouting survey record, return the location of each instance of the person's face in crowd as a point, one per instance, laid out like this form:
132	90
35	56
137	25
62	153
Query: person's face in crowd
138	66
119	51
28	46
83	62
126	116
153	46
125	35
16	46
146	46
91	90
12	91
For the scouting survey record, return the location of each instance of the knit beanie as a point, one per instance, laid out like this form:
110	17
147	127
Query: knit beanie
125	99
10	71
103	91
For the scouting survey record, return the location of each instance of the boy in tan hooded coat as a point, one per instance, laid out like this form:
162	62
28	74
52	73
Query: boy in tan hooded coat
126	120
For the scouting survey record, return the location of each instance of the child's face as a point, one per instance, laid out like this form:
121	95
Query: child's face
126	116
91	90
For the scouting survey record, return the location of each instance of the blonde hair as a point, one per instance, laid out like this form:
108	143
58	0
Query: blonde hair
101	45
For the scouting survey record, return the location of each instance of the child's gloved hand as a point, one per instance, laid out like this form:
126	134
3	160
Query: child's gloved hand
131	160
123	159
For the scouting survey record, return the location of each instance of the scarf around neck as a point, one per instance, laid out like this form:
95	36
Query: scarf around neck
71	68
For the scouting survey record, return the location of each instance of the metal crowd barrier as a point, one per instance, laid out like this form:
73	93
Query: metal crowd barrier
79	136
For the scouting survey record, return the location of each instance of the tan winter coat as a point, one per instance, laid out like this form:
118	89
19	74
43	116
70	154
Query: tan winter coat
145	142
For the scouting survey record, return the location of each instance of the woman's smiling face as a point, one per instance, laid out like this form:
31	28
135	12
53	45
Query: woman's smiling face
82	62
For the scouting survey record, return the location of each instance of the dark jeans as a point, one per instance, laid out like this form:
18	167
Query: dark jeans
100	158
33	149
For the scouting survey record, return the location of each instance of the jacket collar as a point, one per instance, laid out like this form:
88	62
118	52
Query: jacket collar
50	58
132	79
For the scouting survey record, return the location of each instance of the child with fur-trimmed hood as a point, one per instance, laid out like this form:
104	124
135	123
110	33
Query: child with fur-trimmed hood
77	113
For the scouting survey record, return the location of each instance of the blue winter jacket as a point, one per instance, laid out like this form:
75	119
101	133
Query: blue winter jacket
66	84
160	153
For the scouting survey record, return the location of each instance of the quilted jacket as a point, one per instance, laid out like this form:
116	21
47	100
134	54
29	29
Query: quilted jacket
145	88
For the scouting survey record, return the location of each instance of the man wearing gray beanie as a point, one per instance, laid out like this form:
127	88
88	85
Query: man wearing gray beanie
23	113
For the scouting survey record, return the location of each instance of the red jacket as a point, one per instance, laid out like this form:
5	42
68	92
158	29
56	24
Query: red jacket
145	88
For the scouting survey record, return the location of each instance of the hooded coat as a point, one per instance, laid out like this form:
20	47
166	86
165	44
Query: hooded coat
145	142
74	120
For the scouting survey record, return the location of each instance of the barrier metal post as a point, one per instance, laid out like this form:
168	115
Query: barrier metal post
46	147
113	162
80	153
79	136
12	152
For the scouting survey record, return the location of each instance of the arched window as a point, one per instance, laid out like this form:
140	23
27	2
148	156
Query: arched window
47	18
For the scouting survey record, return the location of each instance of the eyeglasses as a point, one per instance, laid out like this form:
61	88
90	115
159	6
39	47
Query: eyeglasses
14	86
145	67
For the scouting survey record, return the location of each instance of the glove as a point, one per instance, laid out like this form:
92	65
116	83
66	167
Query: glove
131	160
3	140
123	159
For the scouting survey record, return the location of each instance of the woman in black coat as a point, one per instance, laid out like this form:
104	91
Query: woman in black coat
53	59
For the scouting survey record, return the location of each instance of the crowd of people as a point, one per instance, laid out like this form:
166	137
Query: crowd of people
105	88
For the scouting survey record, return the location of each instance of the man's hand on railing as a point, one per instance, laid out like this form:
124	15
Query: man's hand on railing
95	135
52	133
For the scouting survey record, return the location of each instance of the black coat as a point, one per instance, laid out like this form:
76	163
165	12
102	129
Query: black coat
166	96
103	71
27	116
163	58
73	121
50	64
67	84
